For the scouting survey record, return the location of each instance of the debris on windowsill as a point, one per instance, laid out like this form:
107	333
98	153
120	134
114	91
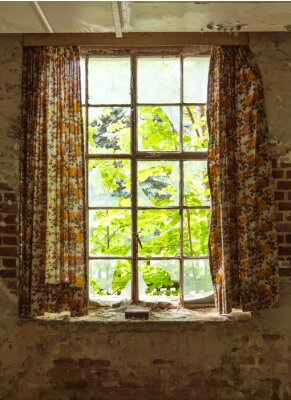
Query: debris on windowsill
137	312
165	314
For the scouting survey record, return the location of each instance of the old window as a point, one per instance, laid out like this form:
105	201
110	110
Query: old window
148	194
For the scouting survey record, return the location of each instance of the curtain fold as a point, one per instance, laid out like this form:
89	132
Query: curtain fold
242	240
53	274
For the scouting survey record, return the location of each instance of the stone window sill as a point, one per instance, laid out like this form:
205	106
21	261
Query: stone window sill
174	315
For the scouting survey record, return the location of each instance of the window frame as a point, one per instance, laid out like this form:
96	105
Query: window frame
135	155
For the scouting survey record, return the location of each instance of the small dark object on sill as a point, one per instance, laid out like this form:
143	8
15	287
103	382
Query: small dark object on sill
135	312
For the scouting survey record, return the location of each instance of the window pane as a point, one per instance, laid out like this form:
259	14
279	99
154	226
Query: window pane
110	233
197	279
195	132
110	279
196	232
83	80
158	128
196	186
195	79
109	80
159	233
109	130
109	183
158	183
158	80
158	279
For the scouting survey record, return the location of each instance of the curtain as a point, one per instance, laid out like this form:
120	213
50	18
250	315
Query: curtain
53	273
242	240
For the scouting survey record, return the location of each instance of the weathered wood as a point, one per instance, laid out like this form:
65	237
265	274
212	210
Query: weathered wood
134	39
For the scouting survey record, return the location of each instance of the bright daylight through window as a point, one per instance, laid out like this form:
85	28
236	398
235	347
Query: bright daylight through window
148	193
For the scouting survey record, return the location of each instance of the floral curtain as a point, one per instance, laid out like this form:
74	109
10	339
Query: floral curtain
53	275
242	241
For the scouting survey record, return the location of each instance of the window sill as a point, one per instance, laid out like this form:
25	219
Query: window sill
174	315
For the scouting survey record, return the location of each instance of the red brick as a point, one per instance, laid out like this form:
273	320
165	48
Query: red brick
9	229
6	208
285	271
288	174
289	196
283	227
288	239
9	262
10	196
274	163
277	174
284	206
11	219
279	217
9	240
284	251
7	273
12	284
280	239
9	251
279	195
5	186
285	185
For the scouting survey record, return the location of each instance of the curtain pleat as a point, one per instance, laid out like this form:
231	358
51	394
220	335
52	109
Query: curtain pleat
242	240
53	274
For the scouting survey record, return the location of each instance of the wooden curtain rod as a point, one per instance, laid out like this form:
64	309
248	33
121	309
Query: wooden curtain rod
134	39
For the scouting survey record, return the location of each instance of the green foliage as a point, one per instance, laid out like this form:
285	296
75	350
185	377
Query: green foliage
156	130
159	281
158	230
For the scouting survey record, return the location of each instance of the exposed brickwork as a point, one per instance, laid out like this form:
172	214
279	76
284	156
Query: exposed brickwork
10	68
282	187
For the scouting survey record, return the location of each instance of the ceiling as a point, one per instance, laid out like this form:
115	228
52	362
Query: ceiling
119	17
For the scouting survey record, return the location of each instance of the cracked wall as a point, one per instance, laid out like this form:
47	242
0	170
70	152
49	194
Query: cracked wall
203	359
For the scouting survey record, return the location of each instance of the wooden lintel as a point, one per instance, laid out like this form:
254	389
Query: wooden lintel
134	39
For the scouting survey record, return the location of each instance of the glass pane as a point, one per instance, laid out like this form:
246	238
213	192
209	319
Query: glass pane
196	232
110	233
158	80
158	128
109	183
159	233
196	185
83	80
195	79
110	279
197	279
195	132
158	279
158	183
109	130
109	80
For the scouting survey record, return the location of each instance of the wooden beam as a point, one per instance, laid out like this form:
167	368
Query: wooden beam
116	18
134	39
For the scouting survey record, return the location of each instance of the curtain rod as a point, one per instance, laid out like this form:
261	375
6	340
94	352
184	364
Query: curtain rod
134	39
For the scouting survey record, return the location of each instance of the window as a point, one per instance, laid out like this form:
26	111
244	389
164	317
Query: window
148	194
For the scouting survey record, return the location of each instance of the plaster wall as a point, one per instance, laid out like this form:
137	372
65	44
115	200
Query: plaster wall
204	360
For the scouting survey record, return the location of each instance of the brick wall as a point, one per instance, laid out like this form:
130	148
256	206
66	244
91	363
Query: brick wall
10	99
9	235
282	187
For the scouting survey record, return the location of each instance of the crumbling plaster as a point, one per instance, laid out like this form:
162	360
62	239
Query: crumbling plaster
205	360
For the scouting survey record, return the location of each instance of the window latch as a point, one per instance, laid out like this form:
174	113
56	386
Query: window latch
138	239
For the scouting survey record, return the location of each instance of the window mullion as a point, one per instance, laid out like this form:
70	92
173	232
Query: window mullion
86	173
181	183
134	287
